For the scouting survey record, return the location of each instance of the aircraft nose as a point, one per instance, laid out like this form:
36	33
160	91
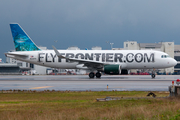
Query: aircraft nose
174	62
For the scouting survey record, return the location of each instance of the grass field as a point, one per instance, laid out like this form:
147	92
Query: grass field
83	106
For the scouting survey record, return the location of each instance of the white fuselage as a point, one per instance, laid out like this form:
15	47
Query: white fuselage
127	59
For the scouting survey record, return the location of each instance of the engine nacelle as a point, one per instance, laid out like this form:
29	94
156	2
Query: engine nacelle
112	69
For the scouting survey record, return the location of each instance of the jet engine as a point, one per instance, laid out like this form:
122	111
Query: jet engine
114	70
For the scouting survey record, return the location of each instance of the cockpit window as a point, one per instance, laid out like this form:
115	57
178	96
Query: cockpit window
165	56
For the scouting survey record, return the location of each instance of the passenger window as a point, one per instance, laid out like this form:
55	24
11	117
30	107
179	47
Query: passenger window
165	56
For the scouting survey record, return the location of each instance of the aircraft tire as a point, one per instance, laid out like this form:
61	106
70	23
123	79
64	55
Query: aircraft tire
91	75
98	75
153	75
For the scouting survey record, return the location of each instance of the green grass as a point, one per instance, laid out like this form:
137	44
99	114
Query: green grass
83	106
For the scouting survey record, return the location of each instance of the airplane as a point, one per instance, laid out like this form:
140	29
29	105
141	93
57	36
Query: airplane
113	62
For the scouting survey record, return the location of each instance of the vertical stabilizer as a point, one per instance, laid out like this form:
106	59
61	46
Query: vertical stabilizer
22	41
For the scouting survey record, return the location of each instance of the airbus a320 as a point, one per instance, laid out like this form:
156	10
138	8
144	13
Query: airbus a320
113	62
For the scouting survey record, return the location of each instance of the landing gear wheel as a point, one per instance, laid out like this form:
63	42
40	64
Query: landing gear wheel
153	75
98	75
91	75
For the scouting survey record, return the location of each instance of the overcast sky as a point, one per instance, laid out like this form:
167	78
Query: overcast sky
88	23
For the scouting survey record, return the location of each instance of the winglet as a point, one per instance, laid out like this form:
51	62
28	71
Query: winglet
57	53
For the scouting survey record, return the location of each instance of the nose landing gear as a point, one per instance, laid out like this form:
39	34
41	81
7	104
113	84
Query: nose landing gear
153	75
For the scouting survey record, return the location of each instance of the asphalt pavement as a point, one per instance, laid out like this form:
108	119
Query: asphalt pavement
83	82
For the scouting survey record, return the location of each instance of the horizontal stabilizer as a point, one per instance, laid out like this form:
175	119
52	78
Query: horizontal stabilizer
18	55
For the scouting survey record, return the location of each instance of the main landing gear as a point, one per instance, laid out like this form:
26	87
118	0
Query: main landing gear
91	75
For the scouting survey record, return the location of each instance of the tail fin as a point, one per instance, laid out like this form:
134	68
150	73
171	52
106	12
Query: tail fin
22	41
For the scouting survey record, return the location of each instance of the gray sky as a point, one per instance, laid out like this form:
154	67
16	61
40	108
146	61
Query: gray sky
88	23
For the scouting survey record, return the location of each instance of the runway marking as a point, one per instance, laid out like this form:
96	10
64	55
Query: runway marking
40	87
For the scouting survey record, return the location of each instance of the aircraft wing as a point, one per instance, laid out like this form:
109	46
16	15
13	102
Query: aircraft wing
88	63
